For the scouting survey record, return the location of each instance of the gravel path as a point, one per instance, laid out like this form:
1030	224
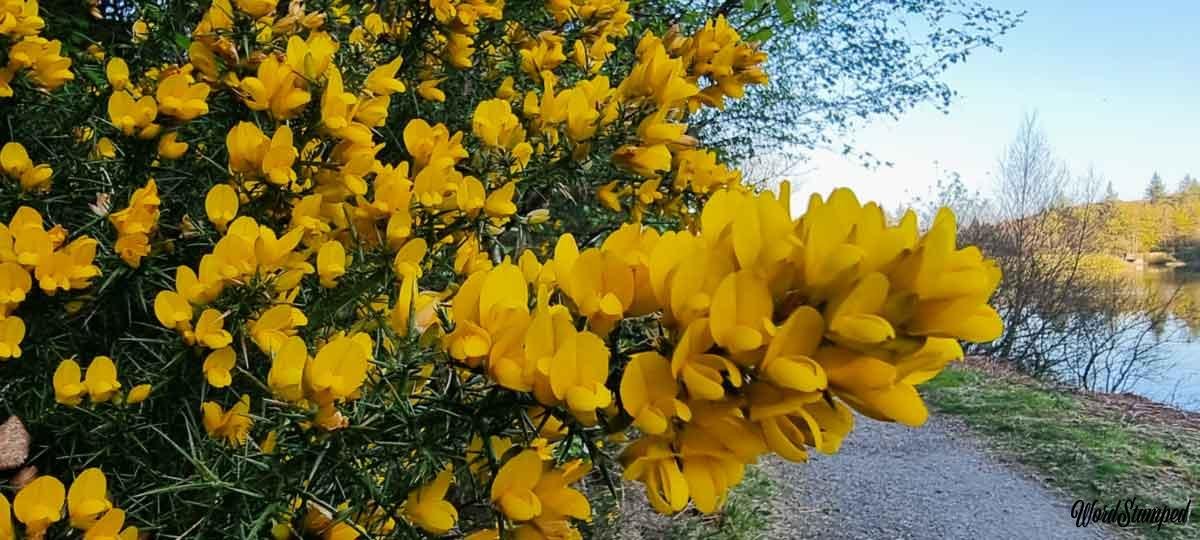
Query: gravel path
934	482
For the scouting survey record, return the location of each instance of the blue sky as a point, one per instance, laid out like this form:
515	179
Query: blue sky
1116	85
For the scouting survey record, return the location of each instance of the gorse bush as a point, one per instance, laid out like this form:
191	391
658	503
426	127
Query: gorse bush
386	270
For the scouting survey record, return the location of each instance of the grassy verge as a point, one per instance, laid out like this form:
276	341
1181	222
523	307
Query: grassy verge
1093	446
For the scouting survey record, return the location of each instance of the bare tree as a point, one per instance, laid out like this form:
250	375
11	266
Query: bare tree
1066	315
1031	178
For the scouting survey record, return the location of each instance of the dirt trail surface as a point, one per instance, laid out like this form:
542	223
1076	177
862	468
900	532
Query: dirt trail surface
935	482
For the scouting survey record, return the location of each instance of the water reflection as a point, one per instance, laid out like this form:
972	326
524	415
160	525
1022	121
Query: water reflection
1178	382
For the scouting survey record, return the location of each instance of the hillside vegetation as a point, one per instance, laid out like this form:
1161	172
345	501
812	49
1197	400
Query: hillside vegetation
1169	224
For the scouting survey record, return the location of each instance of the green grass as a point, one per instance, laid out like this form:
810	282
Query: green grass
1086	450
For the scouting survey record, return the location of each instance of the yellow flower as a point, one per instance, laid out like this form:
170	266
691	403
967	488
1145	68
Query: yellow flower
279	156
427	507
512	489
647	193
744	223
741	312
221	205
651	461
133	117
48	68
217	365
413	310
12	332
275	89
826	255
657	76
336	103
543	54
332	260
271	329
101	379
192	290
578	374
202	58
39	505
792	420
382	80
601	284
6	525
459	49
15	283
484	534
110	526
854	316
87	499
538	216
649	391
558	499
173	310
105	148
951	285
169	146
311	57
788	361
872	386
117	72
429	91
138	394
68	383
132	248
340	368
141	31
646	161
702	372
709	467
180	97
247	147
496	125
15	163
286	376
507	89
499	203
256	8
233	425
610	196
210	330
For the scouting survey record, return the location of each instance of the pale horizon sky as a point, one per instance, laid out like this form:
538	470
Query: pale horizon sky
1116	85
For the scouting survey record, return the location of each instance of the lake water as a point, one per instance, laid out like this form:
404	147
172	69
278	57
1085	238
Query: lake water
1179	383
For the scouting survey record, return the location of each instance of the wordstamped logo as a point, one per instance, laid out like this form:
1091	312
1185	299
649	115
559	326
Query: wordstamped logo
1127	512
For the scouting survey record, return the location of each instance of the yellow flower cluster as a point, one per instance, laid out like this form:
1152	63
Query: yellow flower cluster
40	59
459	23
601	22
717	53
136	223
776	328
100	384
39	504
15	163
178	97
538	497
28	251
773	326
